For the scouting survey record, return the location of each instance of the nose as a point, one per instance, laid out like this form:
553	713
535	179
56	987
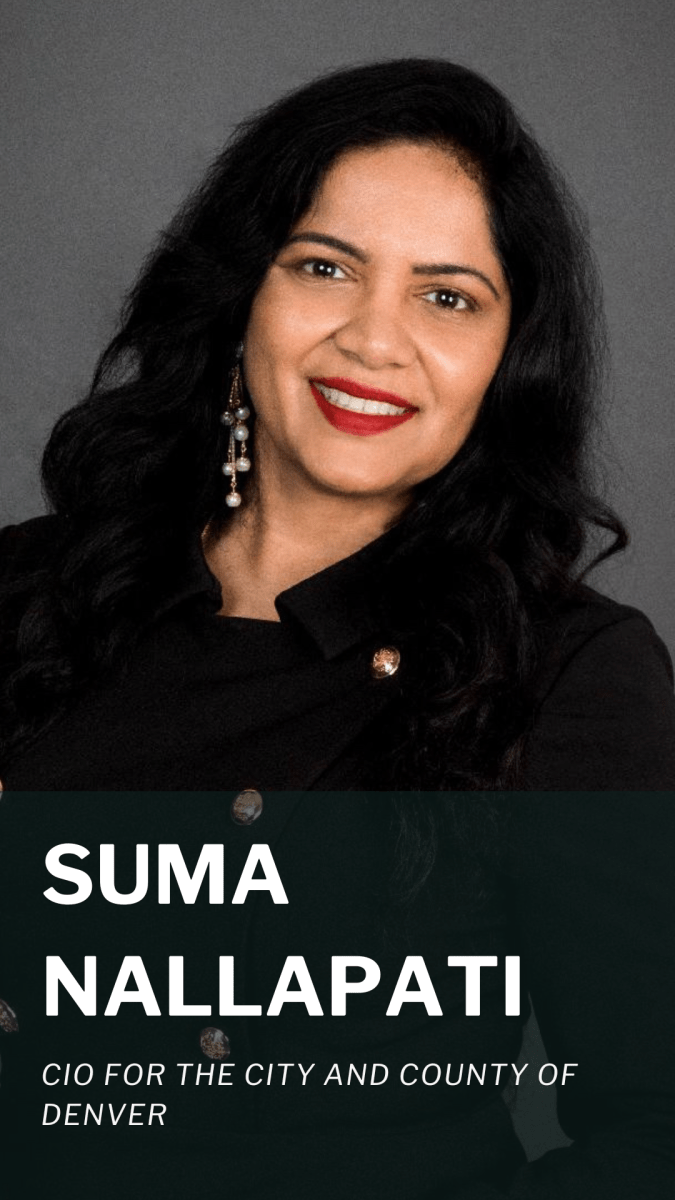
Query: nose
376	332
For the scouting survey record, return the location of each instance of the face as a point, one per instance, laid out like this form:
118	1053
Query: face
378	328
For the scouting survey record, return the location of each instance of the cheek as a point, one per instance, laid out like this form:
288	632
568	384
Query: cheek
275	348
462	384
264	349
264	332
287	322
464	376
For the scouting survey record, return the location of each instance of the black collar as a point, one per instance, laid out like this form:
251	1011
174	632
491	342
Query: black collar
339	608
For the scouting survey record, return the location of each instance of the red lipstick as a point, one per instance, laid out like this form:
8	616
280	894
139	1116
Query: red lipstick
361	424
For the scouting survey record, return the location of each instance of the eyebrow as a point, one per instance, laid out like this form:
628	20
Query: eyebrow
324	239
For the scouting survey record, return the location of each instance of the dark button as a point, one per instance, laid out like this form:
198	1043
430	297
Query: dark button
214	1043
247	807
8	1021
385	662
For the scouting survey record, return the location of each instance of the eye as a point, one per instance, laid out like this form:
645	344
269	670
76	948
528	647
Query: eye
321	268
447	298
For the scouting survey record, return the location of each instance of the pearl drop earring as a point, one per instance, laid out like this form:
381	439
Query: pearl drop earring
234	417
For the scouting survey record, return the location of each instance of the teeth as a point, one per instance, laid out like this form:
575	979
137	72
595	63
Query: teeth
373	408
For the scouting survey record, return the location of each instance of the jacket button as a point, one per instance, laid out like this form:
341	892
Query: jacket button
8	1021
214	1043
246	807
385	662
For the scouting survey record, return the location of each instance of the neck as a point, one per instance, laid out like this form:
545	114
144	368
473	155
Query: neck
282	535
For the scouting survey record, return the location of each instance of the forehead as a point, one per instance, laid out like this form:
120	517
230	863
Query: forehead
419	196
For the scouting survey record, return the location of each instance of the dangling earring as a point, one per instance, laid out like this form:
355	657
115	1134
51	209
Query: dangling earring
234	416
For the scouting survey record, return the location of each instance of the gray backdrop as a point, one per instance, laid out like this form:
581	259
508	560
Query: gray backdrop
112	110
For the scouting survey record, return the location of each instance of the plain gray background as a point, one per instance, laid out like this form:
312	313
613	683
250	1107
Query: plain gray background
111	111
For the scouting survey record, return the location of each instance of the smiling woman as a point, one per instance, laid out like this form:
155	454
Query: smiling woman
383	344
400	226
390	236
322	525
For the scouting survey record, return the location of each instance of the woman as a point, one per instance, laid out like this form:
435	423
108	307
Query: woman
320	526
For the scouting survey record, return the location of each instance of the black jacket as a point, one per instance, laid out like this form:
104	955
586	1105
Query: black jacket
209	702
578	886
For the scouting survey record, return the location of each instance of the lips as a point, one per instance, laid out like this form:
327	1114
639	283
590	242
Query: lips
341	399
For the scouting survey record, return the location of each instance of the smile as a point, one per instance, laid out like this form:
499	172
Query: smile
353	408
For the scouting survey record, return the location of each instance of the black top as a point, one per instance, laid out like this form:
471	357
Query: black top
579	886
210	702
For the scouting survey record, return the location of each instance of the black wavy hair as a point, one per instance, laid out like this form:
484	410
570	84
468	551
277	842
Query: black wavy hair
495	538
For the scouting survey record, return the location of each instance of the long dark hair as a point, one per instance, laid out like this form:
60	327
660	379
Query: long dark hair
133	471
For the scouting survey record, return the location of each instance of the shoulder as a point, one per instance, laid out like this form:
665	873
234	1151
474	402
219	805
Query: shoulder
592	629
26	548
604	704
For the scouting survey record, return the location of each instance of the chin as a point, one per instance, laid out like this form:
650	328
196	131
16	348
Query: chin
364	489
